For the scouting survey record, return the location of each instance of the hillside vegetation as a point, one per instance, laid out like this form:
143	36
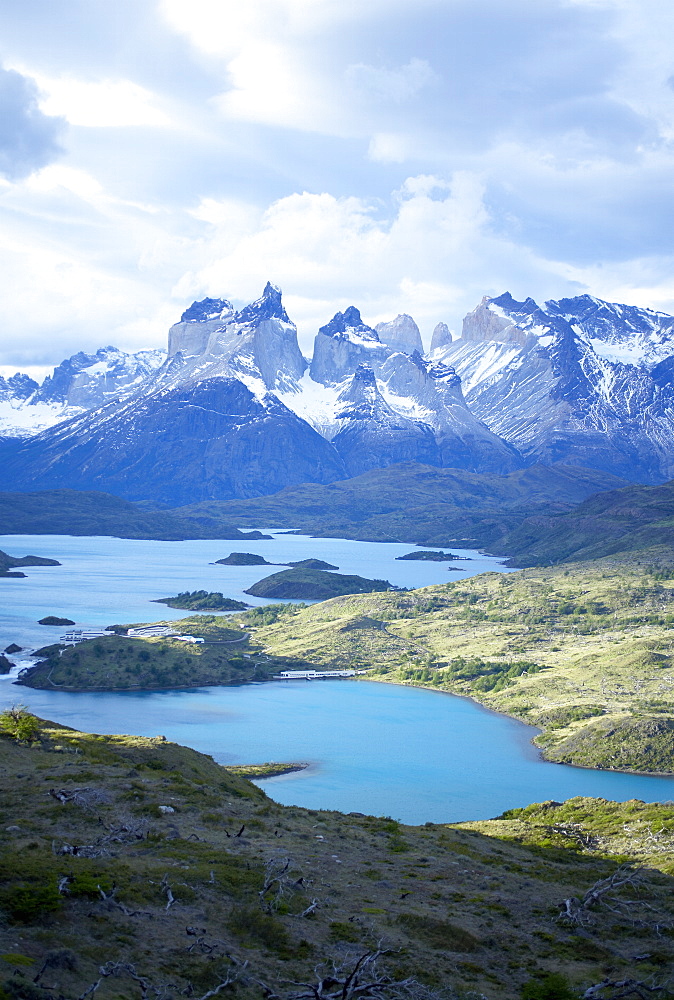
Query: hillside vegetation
133	867
313	584
88	512
583	652
8	564
625	520
414	503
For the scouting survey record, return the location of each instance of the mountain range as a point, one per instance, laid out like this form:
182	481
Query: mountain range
234	410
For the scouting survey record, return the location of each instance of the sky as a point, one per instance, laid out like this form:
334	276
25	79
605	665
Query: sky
396	155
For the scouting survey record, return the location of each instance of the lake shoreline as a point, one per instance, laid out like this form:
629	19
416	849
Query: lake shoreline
540	753
513	718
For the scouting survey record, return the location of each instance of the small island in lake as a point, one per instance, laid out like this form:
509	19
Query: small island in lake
313	584
8	563
242	559
257	772
55	620
427	555
311	564
201	600
251	559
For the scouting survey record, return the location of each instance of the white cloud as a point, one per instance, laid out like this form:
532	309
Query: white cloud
388	147
269	85
99	103
434	258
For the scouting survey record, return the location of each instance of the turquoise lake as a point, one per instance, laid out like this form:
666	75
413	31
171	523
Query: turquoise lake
380	749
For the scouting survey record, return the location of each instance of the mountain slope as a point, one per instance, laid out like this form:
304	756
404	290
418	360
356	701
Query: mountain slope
211	437
75	512
234	412
634	519
578	380
186	908
413	503
80	383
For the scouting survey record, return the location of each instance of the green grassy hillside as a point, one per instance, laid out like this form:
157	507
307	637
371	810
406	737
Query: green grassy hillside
135	868
313	584
115	663
583	652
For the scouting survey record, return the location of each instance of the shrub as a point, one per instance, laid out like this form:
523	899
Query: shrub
19	723
23	903
254	926
439	934
554	986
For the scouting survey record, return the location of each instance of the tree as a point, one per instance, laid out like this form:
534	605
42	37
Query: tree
19	723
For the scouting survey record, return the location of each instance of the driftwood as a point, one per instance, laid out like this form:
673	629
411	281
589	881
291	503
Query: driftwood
85	798
360	980
623	988
576	911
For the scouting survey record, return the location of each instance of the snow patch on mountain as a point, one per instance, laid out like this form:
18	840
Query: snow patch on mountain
314	402
80	383
577	380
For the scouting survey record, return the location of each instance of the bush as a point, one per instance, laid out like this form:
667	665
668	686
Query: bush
23	903
19	723
253	926
554	986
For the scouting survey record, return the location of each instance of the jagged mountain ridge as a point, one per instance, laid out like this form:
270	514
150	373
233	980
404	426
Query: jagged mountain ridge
578	380
226	414
236	410
80	383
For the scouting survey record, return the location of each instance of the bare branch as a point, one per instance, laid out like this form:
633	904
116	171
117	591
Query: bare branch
85	798
620	989
603	892
362	980
232	976
276	882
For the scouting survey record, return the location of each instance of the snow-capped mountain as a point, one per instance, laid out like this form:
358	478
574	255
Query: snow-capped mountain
343	344
258	343
234	411
401	334
372	434
80	383
578	380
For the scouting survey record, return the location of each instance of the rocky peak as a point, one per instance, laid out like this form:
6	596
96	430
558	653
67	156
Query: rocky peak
268	306
441	372
206	310
490	321
401	334
348	322
342	344
17	386
442	336
362	388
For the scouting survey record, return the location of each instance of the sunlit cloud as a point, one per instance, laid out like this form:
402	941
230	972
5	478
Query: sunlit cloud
100	103
400	155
